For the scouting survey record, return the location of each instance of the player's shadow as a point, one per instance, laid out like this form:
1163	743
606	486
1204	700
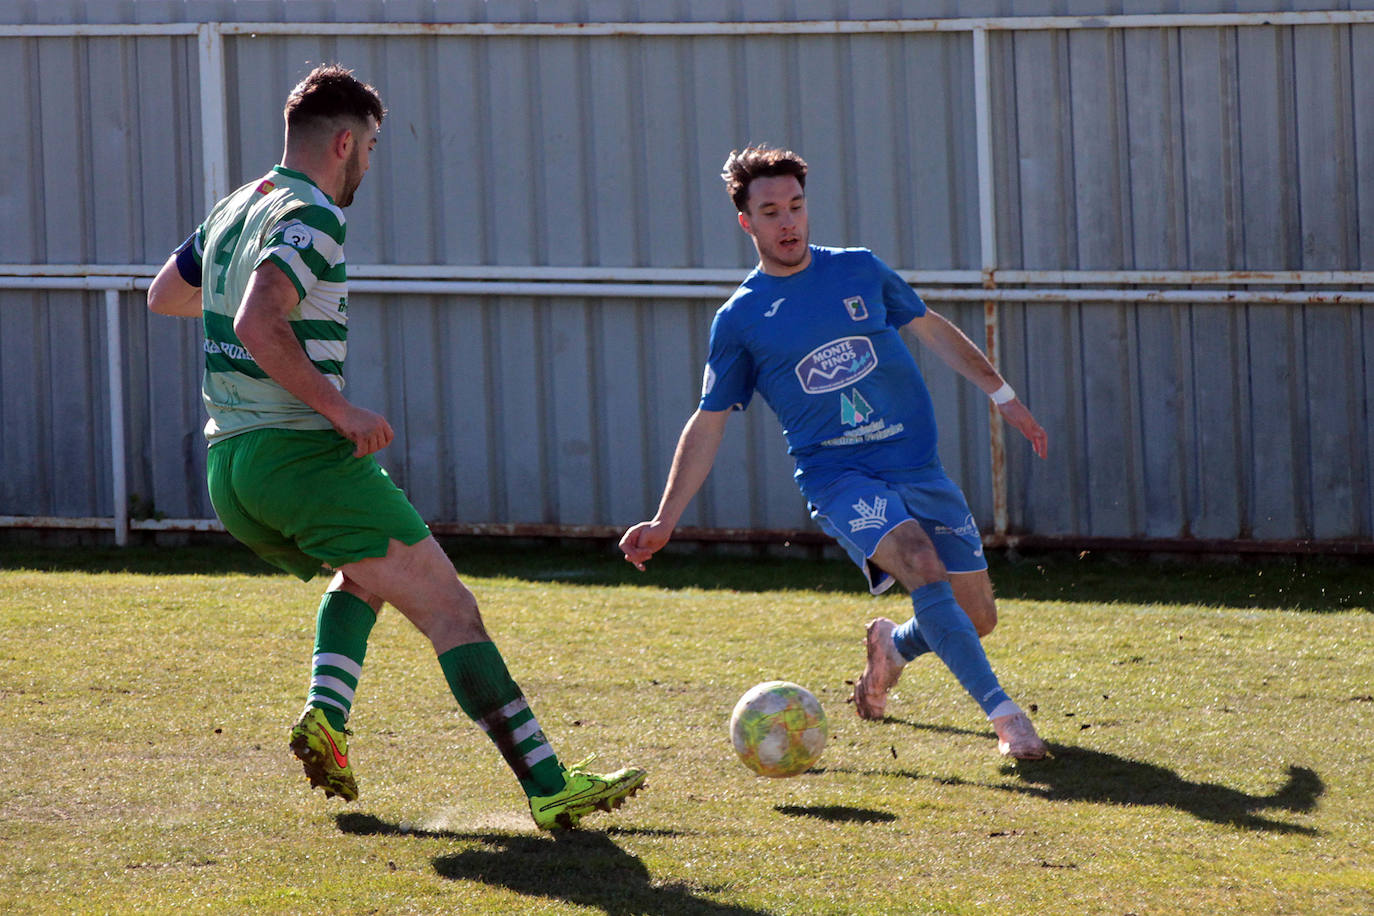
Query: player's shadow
1076	773
837	813
581	867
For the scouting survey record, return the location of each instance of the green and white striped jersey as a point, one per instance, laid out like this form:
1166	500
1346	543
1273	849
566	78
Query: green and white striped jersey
286	219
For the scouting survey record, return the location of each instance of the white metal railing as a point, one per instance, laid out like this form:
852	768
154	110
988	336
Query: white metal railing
988	285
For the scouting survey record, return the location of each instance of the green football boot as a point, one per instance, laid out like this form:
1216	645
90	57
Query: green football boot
324	752
584	793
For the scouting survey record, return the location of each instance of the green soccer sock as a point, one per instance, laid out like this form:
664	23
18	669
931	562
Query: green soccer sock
484	689
341	632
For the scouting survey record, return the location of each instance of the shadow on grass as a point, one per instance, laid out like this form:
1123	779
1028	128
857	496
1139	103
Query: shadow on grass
1312	583
837	813
581	867
1080	774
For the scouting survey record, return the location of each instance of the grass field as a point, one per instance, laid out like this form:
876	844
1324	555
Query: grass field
1211	727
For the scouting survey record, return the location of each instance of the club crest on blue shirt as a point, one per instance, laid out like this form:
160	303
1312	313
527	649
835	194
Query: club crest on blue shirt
856	308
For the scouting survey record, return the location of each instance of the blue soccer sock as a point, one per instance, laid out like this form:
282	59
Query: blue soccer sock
909	641
943	627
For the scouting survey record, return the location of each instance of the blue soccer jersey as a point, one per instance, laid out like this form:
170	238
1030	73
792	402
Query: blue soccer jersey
823	349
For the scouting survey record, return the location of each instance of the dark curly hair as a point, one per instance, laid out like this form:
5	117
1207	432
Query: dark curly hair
743	166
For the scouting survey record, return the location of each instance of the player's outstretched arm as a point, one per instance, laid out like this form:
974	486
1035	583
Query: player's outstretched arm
692	460
963	356
262	326
1019	416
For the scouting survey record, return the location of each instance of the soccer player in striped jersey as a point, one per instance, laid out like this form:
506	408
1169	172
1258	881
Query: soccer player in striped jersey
291	470
815	331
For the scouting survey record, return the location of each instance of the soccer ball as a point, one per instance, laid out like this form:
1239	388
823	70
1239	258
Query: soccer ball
778	729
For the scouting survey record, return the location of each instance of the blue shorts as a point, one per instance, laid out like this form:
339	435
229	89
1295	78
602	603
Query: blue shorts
857	511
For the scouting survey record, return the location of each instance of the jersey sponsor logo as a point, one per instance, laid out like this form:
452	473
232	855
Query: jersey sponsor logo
297	235
233	351
856	308
773	309
267	185
868	515
876	431
854	410
708	380
836	365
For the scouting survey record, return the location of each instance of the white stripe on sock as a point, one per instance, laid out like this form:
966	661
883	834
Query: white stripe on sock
542	752
335	660
504	713
314	698
334	684
525	731
514	706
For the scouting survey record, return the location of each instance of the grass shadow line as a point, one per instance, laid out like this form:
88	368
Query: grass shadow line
837	813
1080	774
579	867
1309	583
582	867
359	824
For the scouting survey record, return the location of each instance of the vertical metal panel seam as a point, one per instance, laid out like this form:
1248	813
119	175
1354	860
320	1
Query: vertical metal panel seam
81	71
545	339
213	115
594	311
844	71
1362	420
481	65
114	351
1080	473
988	257
900	115
498	501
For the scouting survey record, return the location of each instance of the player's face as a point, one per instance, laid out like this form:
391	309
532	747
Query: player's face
358	162
775	218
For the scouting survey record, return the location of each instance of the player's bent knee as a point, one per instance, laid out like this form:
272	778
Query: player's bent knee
984	620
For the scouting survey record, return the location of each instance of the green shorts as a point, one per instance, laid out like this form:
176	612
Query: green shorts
300	499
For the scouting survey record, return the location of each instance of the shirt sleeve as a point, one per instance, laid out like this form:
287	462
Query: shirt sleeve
306	244
901	301
728	383
189	255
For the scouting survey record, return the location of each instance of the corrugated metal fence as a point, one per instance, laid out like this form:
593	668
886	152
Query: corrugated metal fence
1156	221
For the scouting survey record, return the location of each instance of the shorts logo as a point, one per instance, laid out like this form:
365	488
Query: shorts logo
297	236
836	365
854	410
968	529
869	516
857	310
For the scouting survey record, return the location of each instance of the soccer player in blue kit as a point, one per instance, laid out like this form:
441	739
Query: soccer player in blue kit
816	331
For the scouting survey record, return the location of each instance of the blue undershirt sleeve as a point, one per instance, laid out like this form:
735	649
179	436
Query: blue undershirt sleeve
188	259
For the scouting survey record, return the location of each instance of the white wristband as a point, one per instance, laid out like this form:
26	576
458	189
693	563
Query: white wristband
1003	395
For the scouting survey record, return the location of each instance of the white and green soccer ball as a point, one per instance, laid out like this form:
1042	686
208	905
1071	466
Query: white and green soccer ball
778	729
